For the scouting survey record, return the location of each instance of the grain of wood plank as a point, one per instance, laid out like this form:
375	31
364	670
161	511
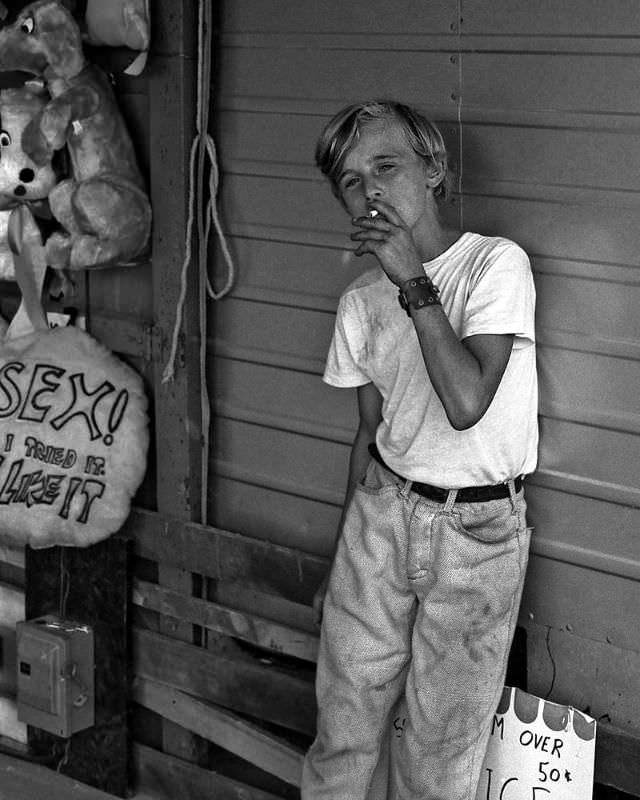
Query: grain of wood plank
226	556
223	728
247	627
168	778
247	685
177	404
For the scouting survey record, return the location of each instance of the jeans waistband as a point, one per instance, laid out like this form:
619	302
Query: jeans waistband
469	494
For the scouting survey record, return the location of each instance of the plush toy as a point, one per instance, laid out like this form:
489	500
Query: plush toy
21	179
103	208
120	23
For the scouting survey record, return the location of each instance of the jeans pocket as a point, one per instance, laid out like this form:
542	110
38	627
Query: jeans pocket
493	522
376	480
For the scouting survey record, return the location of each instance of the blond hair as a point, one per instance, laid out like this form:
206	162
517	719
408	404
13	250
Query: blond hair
343	130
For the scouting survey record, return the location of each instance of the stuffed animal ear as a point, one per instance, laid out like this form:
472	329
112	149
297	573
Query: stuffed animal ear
120	23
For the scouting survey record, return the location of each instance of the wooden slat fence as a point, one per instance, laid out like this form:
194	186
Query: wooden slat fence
248	685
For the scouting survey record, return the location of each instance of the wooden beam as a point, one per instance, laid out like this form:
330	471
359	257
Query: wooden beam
225	729
172	102
21	779
617	759
167	778
250	628
247	685
226	556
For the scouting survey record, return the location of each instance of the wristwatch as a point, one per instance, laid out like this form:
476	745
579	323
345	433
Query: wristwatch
418	293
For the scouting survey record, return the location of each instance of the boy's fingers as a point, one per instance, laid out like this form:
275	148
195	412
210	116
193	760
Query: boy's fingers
363	236
376	224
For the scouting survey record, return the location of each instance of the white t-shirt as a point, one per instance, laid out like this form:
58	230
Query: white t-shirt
486	286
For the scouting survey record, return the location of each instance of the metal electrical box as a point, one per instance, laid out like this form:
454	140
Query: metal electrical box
55	675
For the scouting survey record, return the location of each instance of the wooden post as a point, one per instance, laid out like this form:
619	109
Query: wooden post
172	101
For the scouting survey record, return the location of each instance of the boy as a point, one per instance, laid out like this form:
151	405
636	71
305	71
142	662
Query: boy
425	585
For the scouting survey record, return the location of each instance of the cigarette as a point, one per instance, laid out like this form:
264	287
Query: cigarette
373	213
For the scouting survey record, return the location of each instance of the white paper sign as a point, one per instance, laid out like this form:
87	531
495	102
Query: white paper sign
538	750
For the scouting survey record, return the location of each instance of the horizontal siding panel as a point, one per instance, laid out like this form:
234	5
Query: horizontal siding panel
249	137
607	491
589	382
336	16
287	399
278	202
583	83
589	306
560	595
320	75
567	18
274	516
585	523
275	335
593	453
580	232
287	462
296	274
553	156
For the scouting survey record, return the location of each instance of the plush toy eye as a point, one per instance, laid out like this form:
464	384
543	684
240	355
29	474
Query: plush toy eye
5	139
28	25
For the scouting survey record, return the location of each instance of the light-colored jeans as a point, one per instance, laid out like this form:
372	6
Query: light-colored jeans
417	625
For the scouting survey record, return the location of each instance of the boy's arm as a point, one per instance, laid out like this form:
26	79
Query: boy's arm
370	412
465	374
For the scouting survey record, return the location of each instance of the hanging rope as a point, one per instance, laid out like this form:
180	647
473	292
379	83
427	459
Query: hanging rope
203	215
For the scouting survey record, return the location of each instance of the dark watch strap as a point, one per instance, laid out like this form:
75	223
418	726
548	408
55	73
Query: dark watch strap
418	293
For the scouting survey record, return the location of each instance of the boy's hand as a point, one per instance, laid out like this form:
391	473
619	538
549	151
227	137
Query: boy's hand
318	601
387	237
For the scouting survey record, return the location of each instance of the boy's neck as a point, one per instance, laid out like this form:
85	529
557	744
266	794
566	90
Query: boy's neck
434	240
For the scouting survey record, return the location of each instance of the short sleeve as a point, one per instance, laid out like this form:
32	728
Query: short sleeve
502	298
343	367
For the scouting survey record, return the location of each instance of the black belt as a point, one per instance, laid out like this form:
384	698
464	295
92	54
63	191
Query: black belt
470	494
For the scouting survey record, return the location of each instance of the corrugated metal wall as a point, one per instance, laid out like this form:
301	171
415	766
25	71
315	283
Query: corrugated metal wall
540	105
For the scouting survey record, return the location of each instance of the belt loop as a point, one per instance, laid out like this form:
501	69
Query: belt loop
512	496
450	501
404	492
